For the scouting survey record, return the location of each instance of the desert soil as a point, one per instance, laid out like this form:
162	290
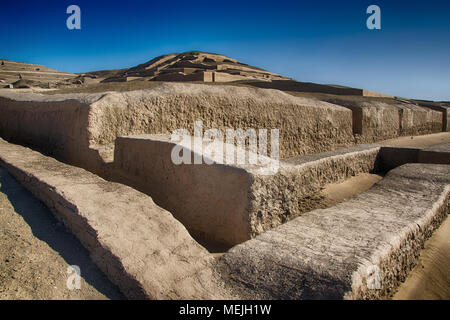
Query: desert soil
36	251
339	192
419	141
430	278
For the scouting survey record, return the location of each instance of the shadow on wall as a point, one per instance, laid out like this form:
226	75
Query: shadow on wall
46	228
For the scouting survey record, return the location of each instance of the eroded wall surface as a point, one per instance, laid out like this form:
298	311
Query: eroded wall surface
306	125
375	120
139	246
359	249
81	128
231	203
56	125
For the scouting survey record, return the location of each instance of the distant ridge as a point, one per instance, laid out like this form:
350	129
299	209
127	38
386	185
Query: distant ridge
191	66
194	66
24	75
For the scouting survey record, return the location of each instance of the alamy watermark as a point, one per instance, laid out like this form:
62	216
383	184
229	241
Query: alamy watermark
234	146
74	280
373	281
74	20
374	20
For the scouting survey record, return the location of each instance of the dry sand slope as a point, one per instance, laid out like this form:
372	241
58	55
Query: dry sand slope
339	192
430	279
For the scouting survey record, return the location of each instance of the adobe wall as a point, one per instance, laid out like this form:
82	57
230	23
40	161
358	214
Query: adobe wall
439	154
360	249
367	93
56	125
376	120
392	157
445	109
292	85
210	200
139	246
229	204
81	129
306	125
417	120
73	127
178	76
295	189
335	253
226	77
446	118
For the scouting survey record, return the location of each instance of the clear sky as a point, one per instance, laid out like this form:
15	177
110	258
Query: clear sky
316	41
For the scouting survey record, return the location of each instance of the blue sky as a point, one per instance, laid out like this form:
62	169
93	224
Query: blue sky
315	41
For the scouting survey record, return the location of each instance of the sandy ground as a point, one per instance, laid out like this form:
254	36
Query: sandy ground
340	192
430	278
418	141
36	250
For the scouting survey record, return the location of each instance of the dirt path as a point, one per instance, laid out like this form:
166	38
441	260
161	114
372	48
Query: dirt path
36	251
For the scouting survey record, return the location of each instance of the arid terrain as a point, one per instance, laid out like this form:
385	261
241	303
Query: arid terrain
36	251
87	179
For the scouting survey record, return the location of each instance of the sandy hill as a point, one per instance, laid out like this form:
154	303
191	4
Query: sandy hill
197	66
194	66
23	75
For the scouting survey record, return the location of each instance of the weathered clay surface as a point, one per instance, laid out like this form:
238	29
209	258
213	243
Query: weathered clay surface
275	199
331	253
232	203
323	254
210	200
392	157
375	120
437	154
442	147
442	107
56	125
306	125
138	245
80	129
149	254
